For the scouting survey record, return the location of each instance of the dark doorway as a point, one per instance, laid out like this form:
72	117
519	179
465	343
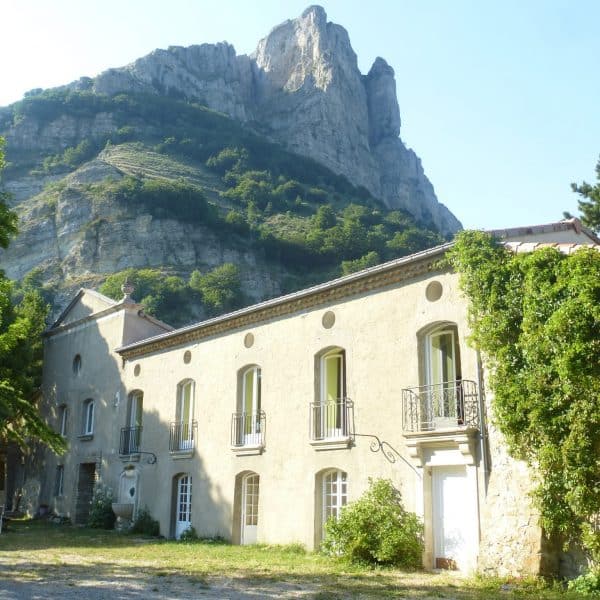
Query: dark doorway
85	492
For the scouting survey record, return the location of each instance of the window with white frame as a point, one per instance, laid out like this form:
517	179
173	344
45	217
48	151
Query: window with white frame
88	417
184	425
334	495
62	419
250	424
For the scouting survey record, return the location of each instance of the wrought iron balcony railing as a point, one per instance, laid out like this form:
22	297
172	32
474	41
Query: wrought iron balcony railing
440	406
331	420
182	436
131	440
248	429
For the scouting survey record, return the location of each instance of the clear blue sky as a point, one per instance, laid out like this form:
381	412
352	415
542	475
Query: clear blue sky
499	99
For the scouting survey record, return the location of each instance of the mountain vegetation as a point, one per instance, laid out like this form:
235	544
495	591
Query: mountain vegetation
178	161
22	320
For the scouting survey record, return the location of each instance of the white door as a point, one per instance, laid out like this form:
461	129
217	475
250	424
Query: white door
250	486
183	516
454	518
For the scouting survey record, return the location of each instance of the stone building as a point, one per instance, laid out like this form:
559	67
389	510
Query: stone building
260	424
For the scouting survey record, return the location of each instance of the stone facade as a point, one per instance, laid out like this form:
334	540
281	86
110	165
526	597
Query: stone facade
257	425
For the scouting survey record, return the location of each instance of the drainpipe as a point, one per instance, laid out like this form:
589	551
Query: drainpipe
482	440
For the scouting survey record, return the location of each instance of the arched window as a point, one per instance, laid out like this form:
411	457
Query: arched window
247	422
88	417
442	395
332	496
63	415
183	503
77	364
182	430
131	434
330	418
245	513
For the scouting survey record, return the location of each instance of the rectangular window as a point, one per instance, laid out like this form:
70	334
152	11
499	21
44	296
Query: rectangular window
59	481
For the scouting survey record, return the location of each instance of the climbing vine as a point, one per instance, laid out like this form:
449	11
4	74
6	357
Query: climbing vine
536	319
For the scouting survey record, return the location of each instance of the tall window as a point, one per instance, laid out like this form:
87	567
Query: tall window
62	419
441	357
330	414
135	409
185	415
59	480
88	417
250	409
334	495
442	400
333	376
131	435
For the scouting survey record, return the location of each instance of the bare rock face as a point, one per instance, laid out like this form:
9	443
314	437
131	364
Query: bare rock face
302	87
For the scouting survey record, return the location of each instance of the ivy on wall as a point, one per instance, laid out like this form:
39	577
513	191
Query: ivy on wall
536	319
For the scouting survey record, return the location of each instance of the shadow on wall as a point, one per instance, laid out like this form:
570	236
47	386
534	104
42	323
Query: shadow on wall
176	490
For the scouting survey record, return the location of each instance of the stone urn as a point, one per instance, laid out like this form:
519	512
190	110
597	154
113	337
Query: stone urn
123	510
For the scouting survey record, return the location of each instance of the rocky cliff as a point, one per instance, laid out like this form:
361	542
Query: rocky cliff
291	130
303	88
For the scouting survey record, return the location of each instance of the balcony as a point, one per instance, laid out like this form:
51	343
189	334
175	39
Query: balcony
131	440
449	405
331	424
444	415
182	438
248	432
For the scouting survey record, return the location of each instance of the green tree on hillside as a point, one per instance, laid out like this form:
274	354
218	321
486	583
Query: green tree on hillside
22	320
590	205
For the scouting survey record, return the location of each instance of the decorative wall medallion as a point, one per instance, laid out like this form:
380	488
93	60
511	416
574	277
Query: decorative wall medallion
328	319
187	357
434	291
249	340
137	369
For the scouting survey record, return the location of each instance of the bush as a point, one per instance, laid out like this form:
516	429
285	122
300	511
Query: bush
189	535
376	529
586	585
145	524
101	513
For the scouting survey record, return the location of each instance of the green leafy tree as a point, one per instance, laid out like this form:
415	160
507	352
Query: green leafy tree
590	205
22	321
368	260
220	289
161	296
536	318
376	529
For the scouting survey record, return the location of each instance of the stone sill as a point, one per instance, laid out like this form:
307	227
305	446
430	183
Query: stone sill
177	454
135	457
249	450
331	444
85	437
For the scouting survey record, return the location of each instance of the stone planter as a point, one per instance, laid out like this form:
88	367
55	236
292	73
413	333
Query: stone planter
123	510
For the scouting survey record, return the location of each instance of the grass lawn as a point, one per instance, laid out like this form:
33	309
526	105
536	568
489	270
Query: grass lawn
43	554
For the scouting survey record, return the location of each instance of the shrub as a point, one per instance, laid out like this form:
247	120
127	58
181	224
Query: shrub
101	514
189	535
376	529
586	585
145	524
